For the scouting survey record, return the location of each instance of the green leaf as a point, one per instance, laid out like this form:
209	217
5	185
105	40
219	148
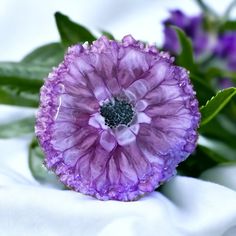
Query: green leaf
71	32
17	128
202	87
217	150
228	26
12	96
229	9
108	35
208	11
185	58
208	154
22	75
213	154
198	162
216	72
221	129
49	55
39	172
216	104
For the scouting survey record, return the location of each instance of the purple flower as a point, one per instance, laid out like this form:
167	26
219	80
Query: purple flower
192	26
116	118
225	57
226	50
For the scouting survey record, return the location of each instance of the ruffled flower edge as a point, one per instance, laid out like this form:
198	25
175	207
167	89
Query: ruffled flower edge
48	109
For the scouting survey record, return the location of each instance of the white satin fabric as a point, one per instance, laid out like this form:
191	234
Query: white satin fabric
187	206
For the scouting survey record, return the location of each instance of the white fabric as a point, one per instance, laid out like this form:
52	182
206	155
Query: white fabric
190	207
222	174
195	207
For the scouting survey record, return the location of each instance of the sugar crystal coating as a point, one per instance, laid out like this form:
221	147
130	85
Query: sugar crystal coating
131	152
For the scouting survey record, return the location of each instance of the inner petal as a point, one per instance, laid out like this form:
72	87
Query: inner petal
172	108
82	104
159	141
125	136
142	117
82	138
137	160
157	73
129	174
133	63
98	86
107	141
164	93
71	115
98	161
137	90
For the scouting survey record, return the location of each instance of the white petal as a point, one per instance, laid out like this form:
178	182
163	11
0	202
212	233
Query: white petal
143	118
97	121
107	141
125	136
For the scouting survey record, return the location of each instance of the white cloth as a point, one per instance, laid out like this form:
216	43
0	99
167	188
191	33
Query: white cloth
188	207
194	208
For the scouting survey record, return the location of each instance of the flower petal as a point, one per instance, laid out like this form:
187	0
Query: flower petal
152	126
125	136
107	141
133	63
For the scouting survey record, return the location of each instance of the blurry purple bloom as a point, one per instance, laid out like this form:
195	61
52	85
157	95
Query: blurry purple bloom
116	118
224	83
192	26
225	53
226	49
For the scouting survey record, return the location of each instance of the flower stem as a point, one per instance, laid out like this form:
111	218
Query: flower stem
229	9
206	9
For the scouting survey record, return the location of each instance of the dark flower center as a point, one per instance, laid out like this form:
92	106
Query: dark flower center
117	112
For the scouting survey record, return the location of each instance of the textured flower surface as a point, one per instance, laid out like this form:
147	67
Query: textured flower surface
192	26
116	118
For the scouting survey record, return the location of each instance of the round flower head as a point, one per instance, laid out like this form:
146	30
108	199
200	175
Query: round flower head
116	118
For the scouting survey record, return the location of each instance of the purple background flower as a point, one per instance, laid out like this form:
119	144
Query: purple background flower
192	26
226	49
225	55
116	118
221	49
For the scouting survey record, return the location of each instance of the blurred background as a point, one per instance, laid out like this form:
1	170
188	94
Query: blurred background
27	24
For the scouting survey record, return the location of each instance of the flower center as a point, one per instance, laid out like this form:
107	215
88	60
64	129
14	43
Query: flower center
117	112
